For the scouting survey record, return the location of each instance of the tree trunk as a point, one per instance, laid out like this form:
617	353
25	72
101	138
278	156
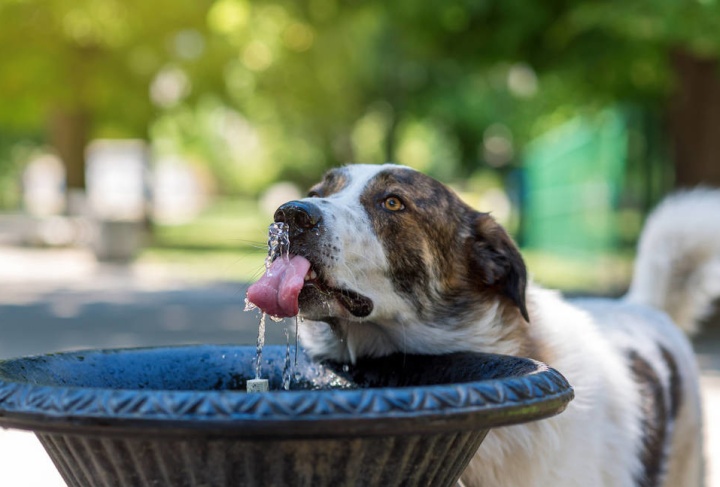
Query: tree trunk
69	132
390	142
695	120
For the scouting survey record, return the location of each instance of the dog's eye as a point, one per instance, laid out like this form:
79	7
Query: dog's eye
393	203
313	194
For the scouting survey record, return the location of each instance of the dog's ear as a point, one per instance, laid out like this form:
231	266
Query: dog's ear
496	261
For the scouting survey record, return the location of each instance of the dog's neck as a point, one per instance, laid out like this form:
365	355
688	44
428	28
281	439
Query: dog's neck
500	329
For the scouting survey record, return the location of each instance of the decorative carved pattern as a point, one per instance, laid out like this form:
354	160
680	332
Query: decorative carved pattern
23	398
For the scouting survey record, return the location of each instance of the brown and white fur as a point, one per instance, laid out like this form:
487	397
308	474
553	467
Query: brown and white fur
401	264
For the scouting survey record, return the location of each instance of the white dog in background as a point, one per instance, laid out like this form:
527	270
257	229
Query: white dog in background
386	259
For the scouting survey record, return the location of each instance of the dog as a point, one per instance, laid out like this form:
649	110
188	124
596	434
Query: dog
385	259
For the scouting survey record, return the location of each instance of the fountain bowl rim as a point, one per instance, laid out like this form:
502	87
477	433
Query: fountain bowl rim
296	413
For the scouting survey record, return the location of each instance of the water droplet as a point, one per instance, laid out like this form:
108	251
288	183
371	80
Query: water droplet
346	368
276	319
248	305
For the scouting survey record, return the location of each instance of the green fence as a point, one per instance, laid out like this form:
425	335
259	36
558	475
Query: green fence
574	177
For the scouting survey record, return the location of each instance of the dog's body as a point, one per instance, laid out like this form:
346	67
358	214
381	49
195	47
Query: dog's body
393	261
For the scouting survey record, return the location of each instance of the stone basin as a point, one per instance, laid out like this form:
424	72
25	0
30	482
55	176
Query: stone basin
180	416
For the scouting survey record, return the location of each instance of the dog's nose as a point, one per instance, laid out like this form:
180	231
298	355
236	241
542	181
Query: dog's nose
299	214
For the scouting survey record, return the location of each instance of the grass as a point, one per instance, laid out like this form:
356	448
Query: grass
228	242
605	273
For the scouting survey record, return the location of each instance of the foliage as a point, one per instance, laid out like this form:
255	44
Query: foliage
283	89
97	54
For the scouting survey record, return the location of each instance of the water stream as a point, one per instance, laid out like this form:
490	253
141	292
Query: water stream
260	345
278	243
278	248
287	366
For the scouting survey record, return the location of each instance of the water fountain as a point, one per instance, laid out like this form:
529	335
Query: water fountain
180	416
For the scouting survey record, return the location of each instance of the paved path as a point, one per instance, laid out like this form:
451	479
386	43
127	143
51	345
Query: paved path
59	300
62	299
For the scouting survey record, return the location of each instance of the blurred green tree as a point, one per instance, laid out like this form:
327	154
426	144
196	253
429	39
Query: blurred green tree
310	83
665	54
464	66
84	68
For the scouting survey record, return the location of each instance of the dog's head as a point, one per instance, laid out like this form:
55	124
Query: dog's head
397	262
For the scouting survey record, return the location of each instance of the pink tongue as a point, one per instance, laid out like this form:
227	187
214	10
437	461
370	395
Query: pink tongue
276	293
